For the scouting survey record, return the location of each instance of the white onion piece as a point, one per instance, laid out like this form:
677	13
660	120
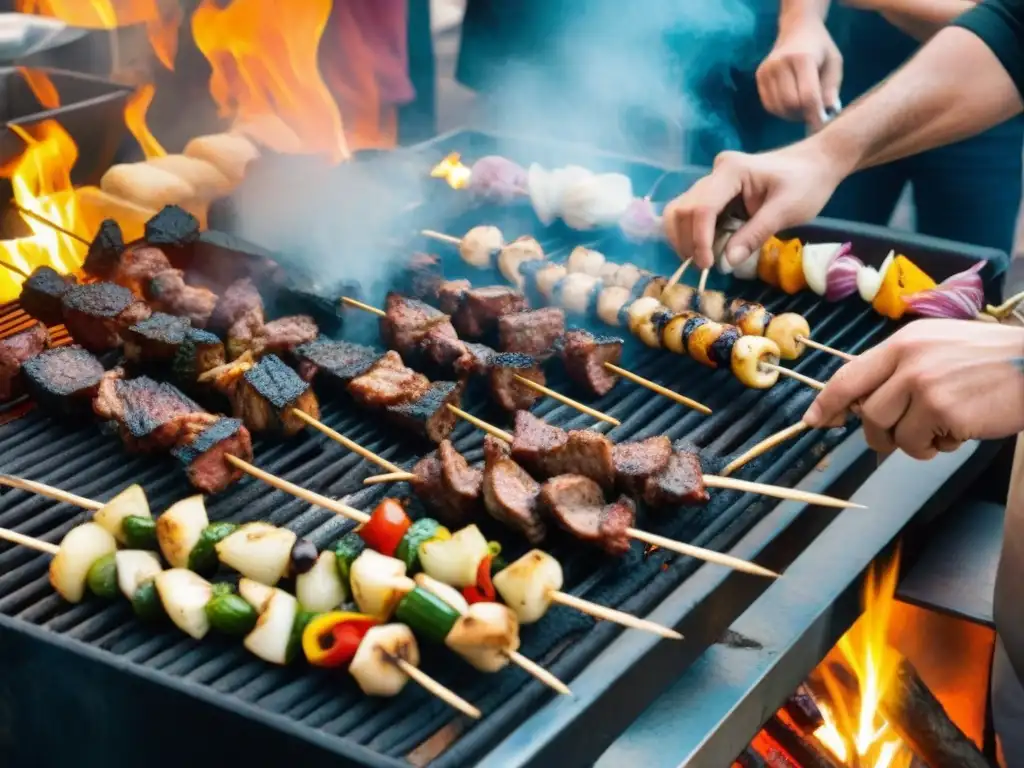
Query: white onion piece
479	245
599	201
538	185
184	595
320	589
378	583
258	551
134	568
439	589
747	269
869	283
526	584
484	635
80	548
372	666
817	258
271	638
178	529
131	502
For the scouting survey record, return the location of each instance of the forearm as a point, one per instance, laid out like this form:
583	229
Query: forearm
793	12
923	18
927	103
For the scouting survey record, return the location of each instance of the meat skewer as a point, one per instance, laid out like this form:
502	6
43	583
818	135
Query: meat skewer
188	599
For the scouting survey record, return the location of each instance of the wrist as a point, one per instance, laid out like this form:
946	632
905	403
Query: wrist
798	17
839	152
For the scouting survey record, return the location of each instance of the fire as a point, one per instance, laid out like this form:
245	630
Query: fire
453	171
41	181
855	730
265	72
135	118
161	19
42	87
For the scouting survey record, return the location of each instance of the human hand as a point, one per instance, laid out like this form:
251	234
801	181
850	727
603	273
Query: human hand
931	386
800	78
778	189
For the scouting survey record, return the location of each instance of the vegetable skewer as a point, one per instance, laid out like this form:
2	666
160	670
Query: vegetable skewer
187	539
384	657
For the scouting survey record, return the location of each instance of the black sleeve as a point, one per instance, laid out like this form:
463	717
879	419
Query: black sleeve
1013	282
1000	25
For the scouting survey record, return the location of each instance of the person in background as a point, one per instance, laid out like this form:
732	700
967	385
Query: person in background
966	191
934	384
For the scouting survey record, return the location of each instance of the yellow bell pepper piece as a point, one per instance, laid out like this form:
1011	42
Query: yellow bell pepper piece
901	279
768	264
791	267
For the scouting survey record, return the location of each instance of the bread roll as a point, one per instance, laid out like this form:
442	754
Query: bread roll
231	153
206	179
147	186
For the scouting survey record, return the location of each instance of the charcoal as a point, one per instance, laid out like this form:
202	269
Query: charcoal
172	226
42	293
63	379
105	250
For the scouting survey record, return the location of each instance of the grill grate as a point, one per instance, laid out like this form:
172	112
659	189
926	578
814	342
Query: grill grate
81	459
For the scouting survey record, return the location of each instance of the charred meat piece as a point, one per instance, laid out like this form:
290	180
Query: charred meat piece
423	276
14	351
203	454
150	415
267	394
172	226
548	451
510	494
168	292
63	379
341	361
428	415
578	504
462	484
41	295
199	351
155	339
534	332
636	461
283	335
476	362
95	313
430	489
138	266
584	356
239	299
481	309
509	393
105	250
243	335
389	382
407	321
440	350
681	482
450	295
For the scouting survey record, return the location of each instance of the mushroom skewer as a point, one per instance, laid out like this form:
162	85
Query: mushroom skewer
382	661
261	552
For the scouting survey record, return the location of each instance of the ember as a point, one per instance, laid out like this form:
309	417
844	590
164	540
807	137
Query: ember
453	171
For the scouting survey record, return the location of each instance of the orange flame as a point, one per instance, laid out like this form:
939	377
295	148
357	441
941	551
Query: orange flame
41	181
135	109
265	72
453	171
858	735
161	20
42	87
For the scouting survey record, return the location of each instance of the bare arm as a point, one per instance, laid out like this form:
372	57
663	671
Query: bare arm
913	110
796	11
922	20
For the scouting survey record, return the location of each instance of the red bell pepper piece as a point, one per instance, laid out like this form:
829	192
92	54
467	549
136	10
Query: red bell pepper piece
332	639
386	527
483	590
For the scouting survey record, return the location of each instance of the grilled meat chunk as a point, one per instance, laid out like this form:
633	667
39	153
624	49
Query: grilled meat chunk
243	334
505	390
283	335
578	504
584	356
169	293
150	415
341	361
41	294
476	362
681	482
422	277
462	483
105	250
199	351
389	382
63	379
239	299
430	490
481	309
638	460
450	295
95	313
138	266
266	396
440	351
547	451
14	351
407	321
510	494
155	339
203	454
428	415
533	332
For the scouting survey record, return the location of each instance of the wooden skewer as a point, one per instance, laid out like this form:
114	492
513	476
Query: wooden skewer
16	270
365	307
334	506
353	446
390	477
703	282
700	553
567	400
794	375
50	492
711	481
764	446
825	348
51	224
612	615
536	670
441	236
31	542
1006	307
654	387
677	275
448	696
239	366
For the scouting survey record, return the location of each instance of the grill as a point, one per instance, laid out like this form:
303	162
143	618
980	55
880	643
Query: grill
101	660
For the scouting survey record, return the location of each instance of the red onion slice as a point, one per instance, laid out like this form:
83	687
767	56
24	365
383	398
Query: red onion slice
959	297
